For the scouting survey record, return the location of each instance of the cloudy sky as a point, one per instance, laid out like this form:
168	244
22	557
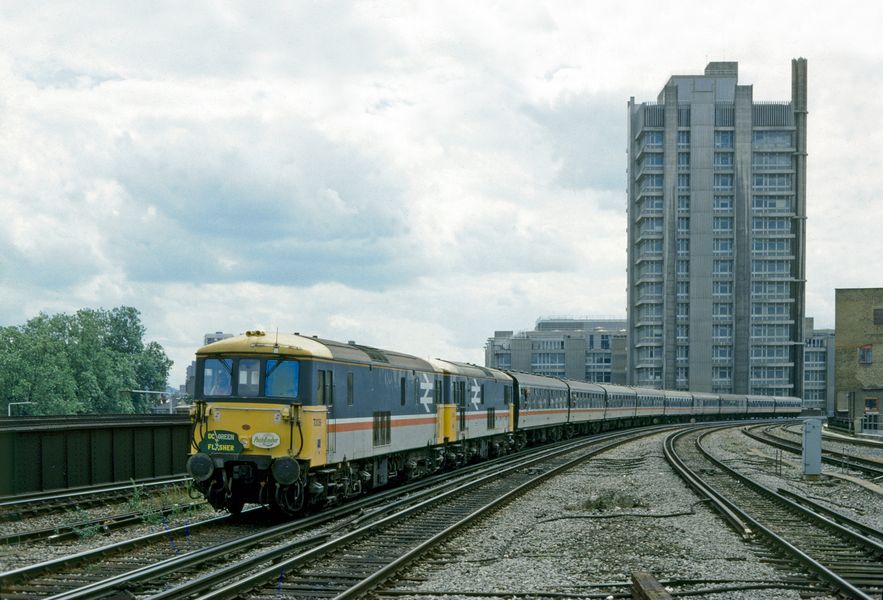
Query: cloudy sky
407	175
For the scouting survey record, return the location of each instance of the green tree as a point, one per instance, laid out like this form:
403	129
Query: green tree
83	362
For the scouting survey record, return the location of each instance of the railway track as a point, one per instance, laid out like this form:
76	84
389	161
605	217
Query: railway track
16	508
88	527
152	568
838	553
868	466
361	561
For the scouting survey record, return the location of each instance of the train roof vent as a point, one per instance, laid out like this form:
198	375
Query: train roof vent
374	353
352	342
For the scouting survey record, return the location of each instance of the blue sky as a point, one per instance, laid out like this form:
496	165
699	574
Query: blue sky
407	175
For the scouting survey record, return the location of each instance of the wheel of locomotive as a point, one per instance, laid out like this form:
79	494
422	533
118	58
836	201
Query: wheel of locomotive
216	495
235	504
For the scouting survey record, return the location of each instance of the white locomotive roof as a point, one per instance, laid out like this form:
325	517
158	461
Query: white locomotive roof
298	346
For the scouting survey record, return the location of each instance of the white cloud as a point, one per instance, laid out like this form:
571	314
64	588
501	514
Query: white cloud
411	176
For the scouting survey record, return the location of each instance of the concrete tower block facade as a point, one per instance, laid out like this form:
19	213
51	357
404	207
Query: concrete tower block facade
716	236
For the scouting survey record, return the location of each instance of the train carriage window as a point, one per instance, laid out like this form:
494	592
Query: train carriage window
481	394
249	375
349	389
281	378
217	377
507	394
491	418
438	391
404	391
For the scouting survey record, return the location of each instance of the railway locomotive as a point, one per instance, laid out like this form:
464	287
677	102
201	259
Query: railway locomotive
296	422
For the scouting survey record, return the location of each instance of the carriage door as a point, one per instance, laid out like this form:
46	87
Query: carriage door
325	396
461	406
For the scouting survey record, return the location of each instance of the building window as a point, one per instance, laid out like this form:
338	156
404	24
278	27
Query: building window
653	159
723	182
777	224
683	288
723	160
683	159
771	182
878	316
683	138
720	373
683	310
721	224
771	160
722	331
683	181
683	224
723	139
683	202
722	309
866	354
722	267
722	352
722	246
722	202
653	138
721	288
772	139
683	246
651	182
683	267
763	202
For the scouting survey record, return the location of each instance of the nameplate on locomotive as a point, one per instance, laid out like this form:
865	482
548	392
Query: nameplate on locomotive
265	439
219	440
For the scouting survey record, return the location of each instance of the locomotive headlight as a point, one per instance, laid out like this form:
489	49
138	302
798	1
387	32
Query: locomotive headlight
200	466
277	416
285	470
216	413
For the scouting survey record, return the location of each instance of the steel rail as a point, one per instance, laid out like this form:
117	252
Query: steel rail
10	502
856	463
372	530
865	530
724	504
165	566
105	523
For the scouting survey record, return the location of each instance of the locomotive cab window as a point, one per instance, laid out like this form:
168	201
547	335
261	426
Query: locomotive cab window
281	378
217	377
248	377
